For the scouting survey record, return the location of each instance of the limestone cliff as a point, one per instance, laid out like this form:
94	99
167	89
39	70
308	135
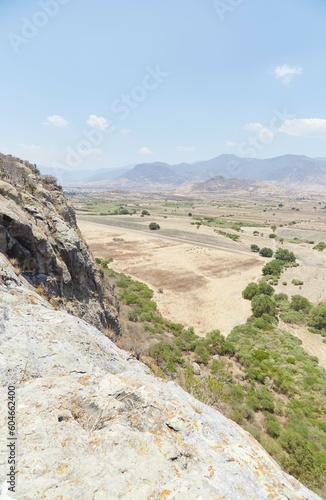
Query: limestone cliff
38	232
93	423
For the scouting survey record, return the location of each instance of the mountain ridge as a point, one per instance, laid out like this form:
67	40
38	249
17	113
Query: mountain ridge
297	169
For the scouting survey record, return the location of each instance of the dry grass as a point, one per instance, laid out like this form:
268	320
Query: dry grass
202	285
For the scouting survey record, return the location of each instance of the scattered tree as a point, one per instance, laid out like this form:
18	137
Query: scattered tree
265	289
153	226
262	304
284	255
318	317
273	268
266	252
250	291
299	303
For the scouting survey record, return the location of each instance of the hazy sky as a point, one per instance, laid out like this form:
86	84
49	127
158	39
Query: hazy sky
104	83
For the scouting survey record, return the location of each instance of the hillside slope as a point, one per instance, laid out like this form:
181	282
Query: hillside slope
95	424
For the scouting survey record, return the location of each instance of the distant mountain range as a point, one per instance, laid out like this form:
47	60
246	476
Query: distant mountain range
288	169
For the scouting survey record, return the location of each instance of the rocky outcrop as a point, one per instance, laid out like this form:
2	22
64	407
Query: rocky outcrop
38	232
93	423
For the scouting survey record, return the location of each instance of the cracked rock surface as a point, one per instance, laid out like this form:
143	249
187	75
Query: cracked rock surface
95	424
38	231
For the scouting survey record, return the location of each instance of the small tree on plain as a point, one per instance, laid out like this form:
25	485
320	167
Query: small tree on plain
266	252
254	248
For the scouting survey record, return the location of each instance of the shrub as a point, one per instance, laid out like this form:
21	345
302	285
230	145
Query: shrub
218	344
254	248
320	246
272	235
284	255
294	317
202	354
166	355
250	291
261	304
49	179
265	289
263	323
266	252
297	282
273	268
261	400
318	317
281	297
153	226
272	426
299	303
121	211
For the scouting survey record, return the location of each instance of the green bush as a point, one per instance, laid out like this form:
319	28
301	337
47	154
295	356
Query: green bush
254	248
166	355
218	344
202	354
121	211
153	226
299	303
273	268
284	255
261	399
318	317
281	297
265	289
263	323
272	426
266	252
250	291
293	317
297	282
320	246
261	304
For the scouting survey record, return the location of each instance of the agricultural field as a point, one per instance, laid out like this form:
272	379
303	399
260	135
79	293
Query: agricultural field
200	260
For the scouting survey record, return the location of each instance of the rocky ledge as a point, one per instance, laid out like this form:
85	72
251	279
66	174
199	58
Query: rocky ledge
93	423
38	232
